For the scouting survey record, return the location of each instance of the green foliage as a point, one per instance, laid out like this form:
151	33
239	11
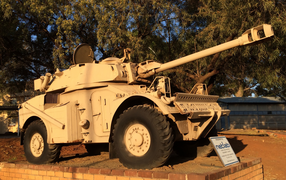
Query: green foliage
244	67
22	58
43	35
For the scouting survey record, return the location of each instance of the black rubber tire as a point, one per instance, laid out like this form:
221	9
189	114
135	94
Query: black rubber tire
161	137
50	153
199	148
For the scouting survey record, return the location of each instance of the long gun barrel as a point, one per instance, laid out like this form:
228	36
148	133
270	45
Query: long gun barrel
250	37
85	73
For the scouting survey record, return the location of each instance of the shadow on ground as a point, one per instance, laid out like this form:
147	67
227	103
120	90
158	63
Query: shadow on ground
236	144
103	156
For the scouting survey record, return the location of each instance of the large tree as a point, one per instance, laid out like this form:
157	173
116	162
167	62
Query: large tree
108	26
52	30
243	70
25	49
161	30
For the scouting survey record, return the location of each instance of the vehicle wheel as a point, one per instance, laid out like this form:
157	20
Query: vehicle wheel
142	138
199	148
36	148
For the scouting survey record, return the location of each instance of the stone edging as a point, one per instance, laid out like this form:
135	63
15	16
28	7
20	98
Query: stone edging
26	171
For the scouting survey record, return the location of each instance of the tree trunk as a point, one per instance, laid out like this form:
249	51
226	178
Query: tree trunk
211	83
240	91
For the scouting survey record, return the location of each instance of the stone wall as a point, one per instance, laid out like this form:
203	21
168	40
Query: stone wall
248	170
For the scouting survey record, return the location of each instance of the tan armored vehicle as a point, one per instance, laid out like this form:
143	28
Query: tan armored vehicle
109	102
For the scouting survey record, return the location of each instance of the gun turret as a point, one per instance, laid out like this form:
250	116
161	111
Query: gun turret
87	73
250	37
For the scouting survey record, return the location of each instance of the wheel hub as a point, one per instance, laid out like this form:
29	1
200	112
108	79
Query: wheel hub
137	139
37	145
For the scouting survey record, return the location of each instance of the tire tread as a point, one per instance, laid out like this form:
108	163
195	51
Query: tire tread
164	129
54	150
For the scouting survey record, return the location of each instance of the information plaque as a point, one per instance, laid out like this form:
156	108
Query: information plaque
224	150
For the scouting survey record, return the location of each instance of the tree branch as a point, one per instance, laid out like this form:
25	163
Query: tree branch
208	75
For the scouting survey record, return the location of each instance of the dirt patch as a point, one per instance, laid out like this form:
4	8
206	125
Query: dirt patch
270	148
11	150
